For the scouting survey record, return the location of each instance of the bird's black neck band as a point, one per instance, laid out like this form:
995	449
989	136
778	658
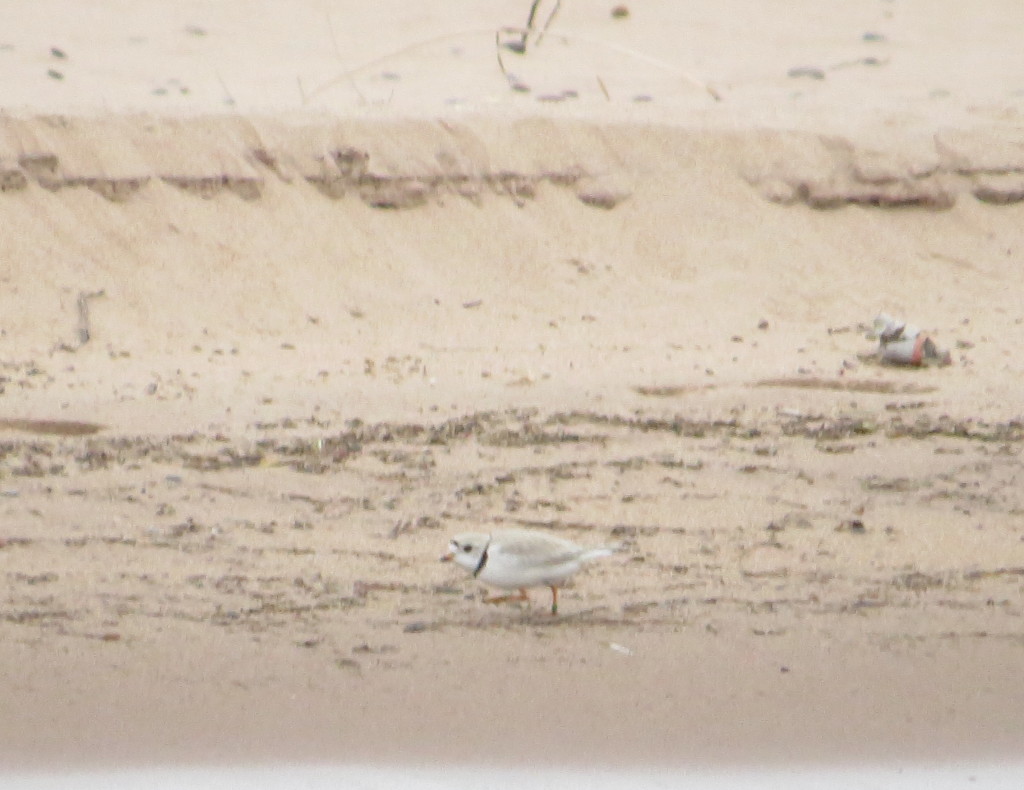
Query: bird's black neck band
483	559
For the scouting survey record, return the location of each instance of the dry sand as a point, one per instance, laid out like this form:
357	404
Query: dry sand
261	357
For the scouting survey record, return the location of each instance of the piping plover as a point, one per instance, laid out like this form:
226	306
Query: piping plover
515	559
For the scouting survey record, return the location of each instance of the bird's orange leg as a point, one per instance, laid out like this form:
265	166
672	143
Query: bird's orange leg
520	596
554	599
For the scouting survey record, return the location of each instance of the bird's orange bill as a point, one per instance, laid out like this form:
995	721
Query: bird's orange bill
448	557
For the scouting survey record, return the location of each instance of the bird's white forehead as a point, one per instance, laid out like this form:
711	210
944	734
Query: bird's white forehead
468	538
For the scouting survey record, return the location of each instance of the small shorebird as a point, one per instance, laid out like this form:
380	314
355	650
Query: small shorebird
516	559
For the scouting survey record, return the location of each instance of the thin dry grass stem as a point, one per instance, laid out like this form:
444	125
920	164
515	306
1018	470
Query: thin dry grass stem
348	74
229	98
652	61
524	33
529	21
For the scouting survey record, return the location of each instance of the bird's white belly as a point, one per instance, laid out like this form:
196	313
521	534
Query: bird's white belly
512	577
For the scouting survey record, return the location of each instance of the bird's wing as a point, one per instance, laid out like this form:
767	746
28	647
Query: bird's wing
529	549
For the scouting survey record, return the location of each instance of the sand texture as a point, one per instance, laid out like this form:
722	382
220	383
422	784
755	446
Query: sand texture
268	341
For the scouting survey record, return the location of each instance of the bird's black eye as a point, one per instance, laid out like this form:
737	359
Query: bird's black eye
467	548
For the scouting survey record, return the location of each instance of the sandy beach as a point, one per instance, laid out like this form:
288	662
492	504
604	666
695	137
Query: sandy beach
289	296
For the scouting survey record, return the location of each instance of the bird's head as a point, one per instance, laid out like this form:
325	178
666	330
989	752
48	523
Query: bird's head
466	549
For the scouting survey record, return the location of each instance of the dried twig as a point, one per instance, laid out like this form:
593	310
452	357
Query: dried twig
524	33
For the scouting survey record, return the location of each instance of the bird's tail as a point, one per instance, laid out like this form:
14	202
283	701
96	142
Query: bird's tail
603	551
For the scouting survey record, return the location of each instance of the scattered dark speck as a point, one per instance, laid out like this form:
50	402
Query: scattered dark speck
58	53
854	525
874	37
783	670
54	74
415	628
620	12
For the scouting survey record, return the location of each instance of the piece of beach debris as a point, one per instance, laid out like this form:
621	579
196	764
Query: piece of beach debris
810	72
558	97
901	343
597	196
82	303
620	12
